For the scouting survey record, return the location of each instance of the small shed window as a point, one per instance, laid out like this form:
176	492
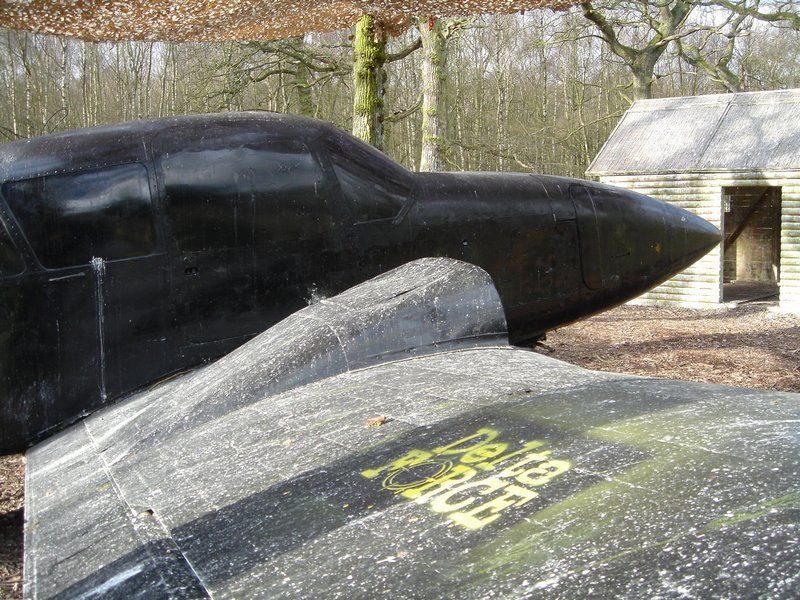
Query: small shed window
71	218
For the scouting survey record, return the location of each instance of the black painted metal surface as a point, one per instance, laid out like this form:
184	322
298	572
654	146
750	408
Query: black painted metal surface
133	251
497	472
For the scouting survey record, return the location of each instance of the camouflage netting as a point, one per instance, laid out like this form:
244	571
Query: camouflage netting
221	20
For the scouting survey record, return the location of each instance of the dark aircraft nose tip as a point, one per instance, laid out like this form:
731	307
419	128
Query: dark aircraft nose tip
700	237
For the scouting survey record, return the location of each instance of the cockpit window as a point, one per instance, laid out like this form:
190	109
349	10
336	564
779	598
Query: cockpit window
376	187
10	260
242	190
71	218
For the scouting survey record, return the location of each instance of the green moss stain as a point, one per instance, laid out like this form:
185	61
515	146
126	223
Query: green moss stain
790	501
633	509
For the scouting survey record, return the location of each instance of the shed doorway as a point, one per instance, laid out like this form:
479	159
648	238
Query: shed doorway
752	246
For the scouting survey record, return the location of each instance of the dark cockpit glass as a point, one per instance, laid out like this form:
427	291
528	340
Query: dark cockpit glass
239	191
376	187
70	218
10	261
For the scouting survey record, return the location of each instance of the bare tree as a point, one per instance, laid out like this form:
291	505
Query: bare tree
650	26
781	12
434	35
369	77
539	91
369	49
712	50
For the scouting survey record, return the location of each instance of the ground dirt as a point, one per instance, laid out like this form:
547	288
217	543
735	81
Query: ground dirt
12	478
747	346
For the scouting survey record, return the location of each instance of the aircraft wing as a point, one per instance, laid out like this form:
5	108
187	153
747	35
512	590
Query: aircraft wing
388	443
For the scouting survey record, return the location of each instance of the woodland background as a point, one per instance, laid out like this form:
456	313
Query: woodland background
538	91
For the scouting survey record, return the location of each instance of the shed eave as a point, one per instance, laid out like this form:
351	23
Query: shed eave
753	173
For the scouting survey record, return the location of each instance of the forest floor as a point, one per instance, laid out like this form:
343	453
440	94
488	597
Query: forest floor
748	346
12	484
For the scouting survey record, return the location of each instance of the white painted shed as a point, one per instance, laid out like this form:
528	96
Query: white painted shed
733	159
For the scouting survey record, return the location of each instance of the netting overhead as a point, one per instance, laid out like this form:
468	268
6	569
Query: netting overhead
221	20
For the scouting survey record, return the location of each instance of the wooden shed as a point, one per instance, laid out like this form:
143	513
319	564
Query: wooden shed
733	159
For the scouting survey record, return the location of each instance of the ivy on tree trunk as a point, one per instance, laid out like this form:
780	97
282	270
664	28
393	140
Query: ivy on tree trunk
369	48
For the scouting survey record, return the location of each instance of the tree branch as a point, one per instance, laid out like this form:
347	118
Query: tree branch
402	114
415	45
609	35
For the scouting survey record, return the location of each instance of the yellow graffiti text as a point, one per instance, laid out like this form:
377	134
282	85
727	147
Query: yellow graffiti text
472	480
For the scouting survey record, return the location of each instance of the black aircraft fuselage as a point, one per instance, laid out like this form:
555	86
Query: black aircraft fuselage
133	251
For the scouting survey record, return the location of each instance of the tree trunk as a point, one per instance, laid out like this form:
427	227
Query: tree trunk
303	79
642	83
28	92
369	47
12	88
85	84
434	74
63	80
643	68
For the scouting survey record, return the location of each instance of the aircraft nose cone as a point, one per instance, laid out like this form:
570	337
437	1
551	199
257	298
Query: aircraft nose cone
642	241
700	237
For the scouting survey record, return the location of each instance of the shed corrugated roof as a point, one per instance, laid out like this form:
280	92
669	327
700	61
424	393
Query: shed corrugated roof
724	132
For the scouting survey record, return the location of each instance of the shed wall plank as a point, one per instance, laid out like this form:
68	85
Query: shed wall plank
700	284
701	194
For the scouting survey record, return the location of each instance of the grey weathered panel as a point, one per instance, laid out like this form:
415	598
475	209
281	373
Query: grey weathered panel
494	471
755	131
421	307
759	131
658	488
659	136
